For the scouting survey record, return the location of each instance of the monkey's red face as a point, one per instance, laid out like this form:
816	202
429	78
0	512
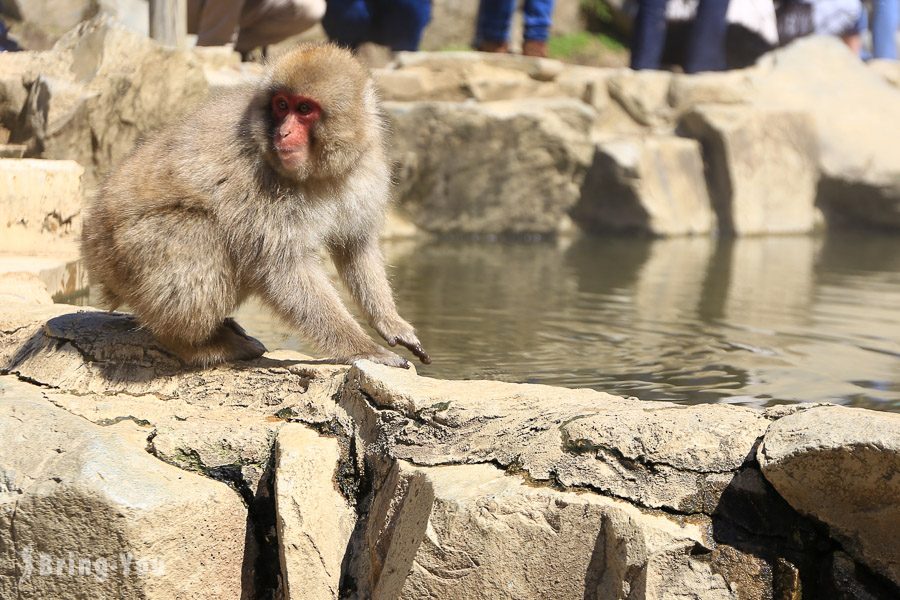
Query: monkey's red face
294	117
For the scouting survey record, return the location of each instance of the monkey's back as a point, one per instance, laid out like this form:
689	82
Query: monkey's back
196	170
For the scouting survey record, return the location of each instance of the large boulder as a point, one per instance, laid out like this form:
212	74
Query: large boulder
763	167
92	96
492	168
652	184
856	115
77	521
45	21
471	531
842	467
474	482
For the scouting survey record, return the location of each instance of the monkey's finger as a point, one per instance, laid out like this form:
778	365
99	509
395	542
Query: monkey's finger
417	349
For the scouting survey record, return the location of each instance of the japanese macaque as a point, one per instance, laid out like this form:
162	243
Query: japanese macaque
239	198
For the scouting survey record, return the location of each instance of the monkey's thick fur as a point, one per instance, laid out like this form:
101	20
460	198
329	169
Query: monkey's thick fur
206	213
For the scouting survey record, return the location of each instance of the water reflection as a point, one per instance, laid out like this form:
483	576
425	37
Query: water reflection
752	321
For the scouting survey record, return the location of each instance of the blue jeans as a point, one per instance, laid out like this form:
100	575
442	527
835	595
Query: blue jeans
706	45
885	20
397	24
495	16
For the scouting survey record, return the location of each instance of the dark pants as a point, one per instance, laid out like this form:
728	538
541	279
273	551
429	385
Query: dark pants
706	44
494	17
397	24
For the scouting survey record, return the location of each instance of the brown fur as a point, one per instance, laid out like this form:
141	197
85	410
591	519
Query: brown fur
204	214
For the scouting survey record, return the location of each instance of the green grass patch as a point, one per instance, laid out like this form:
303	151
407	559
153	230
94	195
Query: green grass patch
585	47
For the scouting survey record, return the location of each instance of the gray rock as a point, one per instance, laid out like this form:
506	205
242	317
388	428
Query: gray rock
91	514
97	92
405	486
856	114
652	184
763	167
842	466
657	455
500	167
644	95
471	531
314	520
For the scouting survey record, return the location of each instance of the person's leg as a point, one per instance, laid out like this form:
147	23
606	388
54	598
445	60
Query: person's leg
494	18
265	22
348	23
649	35
538	18
885	20
706	46
399	23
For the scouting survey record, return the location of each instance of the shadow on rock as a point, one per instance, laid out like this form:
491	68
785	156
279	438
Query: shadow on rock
795	556
114	344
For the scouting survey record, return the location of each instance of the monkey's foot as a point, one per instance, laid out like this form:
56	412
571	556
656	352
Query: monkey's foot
230	343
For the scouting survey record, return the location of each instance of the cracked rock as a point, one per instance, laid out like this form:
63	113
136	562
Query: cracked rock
314	520
842	466
81	523
658	455
472	531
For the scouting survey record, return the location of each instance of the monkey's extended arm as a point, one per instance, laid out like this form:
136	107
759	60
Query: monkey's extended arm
361	267
305	297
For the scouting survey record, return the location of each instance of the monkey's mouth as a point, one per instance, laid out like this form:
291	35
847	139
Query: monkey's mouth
291	158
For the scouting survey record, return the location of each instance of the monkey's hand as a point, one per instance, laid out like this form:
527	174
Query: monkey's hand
397	331
380	355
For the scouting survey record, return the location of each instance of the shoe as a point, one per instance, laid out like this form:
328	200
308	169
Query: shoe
535	48
497	47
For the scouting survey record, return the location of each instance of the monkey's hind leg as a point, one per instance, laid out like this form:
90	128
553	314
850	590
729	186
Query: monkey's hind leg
227	344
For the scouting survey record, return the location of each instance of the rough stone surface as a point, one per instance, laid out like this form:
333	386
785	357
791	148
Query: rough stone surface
652	185
433	488
856	114
650	453
842	466
95	94
71	491
459	76
38	199
763	167
471	531
500	167
314	519
644	95
689	91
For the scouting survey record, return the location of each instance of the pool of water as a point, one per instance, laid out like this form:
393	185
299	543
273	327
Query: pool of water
755	321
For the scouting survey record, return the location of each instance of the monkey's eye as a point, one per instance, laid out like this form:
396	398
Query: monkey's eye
280	105
304	108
